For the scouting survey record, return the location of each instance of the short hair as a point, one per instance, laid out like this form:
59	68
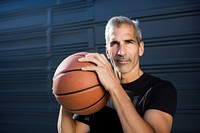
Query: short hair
117	21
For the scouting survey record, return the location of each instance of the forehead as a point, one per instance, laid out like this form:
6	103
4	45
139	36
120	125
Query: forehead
124	30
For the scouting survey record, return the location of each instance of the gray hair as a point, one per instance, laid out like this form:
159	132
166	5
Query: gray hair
117	21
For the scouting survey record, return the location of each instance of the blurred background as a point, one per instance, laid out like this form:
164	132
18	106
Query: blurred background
36	35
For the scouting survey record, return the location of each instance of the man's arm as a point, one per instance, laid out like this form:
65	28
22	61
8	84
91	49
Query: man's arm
66	124
161	121
154	121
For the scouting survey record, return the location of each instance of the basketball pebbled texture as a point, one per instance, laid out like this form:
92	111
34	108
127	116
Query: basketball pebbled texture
80	92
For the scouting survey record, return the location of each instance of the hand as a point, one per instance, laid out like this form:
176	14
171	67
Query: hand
103	69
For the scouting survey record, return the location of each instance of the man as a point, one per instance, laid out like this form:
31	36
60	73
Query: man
140	103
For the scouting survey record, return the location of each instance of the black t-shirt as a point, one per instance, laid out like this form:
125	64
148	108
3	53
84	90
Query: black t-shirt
147	92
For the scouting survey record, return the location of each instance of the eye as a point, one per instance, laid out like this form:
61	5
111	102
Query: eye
130	41
114	43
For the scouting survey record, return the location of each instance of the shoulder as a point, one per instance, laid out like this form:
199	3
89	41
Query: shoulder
161	85
163	96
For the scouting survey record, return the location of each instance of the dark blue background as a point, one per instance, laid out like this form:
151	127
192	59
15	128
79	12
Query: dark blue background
35	36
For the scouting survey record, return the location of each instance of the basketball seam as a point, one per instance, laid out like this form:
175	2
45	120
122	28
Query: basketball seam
69	93
71	70
89	105
66	72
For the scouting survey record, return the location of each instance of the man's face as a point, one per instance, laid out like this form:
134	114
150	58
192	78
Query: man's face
123	49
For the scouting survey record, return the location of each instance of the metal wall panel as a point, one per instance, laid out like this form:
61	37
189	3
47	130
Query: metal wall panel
35	36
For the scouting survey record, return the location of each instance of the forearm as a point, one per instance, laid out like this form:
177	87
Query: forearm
131	121
65	124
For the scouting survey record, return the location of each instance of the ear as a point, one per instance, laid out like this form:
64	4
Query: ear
107	53
141	48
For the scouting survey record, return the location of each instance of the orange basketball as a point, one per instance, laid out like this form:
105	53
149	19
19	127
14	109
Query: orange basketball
80	92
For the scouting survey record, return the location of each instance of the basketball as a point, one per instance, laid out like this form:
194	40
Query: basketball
79	92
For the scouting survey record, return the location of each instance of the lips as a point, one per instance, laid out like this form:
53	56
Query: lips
122	61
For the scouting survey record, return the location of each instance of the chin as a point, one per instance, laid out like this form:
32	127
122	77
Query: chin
123	71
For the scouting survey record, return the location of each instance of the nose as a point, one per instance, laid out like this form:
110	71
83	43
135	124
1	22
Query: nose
121	50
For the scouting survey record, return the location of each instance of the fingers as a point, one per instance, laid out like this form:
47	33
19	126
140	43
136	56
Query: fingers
98	59
102	68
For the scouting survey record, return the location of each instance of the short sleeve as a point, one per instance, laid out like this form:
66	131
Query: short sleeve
86	119
163	97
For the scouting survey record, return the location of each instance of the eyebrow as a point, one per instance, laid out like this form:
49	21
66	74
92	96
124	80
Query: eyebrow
129	40
126	40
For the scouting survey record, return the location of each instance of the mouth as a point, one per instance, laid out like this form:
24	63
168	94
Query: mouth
122	61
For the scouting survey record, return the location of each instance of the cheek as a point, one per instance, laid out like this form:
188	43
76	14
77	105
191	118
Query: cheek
112	52
134	55
134	50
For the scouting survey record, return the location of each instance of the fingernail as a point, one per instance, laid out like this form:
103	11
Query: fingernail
80	59
83	68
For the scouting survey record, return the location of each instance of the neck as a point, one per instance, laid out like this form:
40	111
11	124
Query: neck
129	77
